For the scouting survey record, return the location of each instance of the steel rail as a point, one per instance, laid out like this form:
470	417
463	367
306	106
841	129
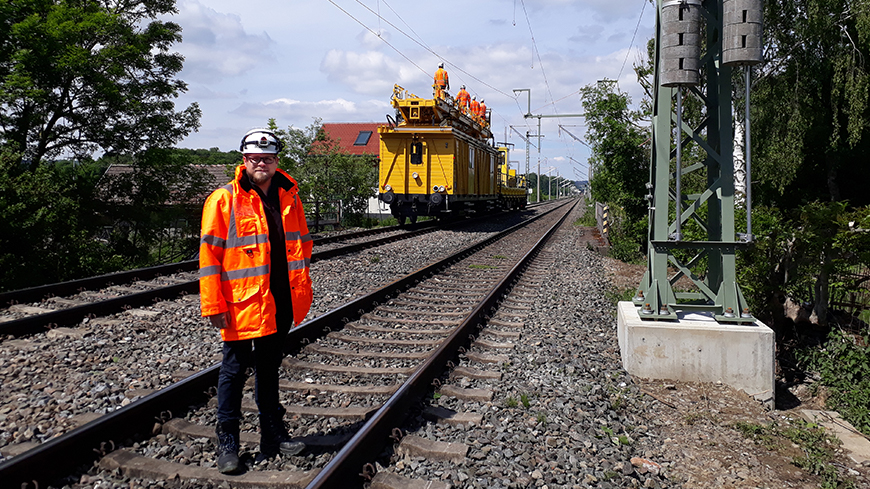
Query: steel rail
60	456
34	294
344	470
73	315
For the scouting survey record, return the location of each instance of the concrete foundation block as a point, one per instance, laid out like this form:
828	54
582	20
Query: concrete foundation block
696	348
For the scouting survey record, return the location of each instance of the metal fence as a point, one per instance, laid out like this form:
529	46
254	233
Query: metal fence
321	214
851	291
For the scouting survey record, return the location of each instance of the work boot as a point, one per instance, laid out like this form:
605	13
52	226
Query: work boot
228	446
274	437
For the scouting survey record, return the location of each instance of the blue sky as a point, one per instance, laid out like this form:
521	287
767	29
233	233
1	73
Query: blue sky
248	61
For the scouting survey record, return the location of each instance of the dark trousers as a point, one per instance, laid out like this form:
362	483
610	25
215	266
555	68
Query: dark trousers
263	354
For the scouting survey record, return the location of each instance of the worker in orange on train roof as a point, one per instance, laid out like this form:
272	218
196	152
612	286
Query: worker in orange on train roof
474	108
462	99
481	112
442	81
254	283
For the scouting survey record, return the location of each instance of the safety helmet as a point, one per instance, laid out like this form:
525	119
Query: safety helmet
481	100
441	65
261	141
462	87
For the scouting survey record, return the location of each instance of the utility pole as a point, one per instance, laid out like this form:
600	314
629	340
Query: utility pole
528	143
529	115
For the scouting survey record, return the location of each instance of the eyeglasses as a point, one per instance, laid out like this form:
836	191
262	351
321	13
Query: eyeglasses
269	160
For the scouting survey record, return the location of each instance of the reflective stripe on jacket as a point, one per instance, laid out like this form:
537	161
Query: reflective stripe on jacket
234	257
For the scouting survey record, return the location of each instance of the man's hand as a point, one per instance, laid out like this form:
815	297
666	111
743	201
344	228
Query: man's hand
219	320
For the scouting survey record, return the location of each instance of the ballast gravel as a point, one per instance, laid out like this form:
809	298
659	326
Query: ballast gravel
55	381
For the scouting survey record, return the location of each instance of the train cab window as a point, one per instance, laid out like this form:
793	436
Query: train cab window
416	153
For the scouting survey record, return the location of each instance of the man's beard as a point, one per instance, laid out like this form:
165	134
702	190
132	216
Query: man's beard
260	177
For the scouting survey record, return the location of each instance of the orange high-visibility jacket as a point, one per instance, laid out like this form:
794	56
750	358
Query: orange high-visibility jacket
475	107
235	256
481	111
463	97
441	78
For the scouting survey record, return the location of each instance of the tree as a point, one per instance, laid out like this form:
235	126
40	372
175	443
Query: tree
88	75
810	103
324	172
810	122
619	161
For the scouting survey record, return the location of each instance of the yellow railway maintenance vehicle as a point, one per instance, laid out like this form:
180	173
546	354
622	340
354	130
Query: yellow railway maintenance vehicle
436	160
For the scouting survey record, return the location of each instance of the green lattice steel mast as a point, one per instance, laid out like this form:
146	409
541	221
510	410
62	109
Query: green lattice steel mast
713	208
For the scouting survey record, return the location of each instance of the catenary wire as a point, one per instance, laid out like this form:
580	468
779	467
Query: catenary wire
633	36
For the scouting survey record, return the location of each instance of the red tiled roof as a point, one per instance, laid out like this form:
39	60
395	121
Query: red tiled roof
347	133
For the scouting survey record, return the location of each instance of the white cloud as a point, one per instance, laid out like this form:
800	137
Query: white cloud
215	45
296	111
369	72
369	40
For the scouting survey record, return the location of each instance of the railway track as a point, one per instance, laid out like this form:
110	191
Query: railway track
36	309
172	401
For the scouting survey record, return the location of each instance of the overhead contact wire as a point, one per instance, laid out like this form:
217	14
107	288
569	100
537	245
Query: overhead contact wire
427	48
633	36
379	36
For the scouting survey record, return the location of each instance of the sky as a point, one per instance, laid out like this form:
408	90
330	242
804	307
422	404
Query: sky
338	60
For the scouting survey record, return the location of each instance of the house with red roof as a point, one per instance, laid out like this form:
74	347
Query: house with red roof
355	138
360	138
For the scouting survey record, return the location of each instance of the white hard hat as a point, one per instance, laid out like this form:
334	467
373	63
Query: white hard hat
481	100
261	141
462	87
441	65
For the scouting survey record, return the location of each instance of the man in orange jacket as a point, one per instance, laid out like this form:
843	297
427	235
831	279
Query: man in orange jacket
462	99
481	113
254	282
474	108
442	81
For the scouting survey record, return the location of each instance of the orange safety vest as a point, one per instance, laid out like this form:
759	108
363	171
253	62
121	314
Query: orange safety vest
475	106
441	78
235	257
463	97
481	111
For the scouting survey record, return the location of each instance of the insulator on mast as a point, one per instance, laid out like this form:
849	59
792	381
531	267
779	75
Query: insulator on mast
741	32
681	43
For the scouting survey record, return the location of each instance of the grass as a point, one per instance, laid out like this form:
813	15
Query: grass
816	447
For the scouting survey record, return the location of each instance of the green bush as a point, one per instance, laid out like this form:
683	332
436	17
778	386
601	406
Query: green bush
844	366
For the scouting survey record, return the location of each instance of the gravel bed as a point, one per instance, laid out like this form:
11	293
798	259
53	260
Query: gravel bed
564	414
53	381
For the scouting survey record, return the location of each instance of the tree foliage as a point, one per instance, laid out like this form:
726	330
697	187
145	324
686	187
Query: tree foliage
810	103
77	76
324	172
619	161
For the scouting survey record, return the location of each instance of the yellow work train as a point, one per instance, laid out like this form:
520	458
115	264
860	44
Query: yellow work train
435	160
